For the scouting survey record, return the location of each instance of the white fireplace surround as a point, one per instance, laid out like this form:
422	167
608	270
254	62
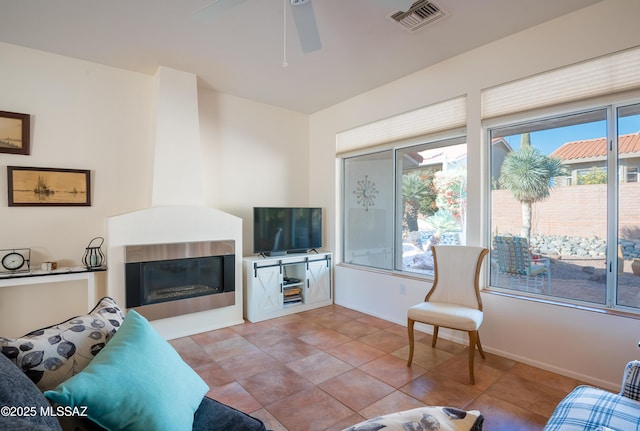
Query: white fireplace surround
177	212
171	224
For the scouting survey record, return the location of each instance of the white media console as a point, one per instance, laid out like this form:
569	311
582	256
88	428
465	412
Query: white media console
280	285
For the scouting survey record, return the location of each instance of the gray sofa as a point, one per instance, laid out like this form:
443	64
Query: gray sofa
25	408
589	408
48	359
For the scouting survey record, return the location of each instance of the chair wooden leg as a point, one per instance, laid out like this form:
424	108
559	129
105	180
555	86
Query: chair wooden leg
435	336
480	346
410	330
472	350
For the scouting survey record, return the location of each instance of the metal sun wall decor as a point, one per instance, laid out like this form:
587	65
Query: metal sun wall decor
366	193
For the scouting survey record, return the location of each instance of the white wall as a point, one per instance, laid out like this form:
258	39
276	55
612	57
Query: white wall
83	116
589	345
255	155
89	116
177	166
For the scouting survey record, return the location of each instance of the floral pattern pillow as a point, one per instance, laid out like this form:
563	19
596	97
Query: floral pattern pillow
424	419
51	355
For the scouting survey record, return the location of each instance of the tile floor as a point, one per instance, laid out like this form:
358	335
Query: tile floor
329	368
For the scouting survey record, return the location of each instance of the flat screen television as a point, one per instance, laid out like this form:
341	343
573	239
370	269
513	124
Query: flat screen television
278	231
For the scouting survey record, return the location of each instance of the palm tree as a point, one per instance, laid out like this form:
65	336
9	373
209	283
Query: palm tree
414	191
527	174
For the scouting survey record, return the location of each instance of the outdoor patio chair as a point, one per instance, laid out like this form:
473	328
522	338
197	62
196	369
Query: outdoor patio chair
514	260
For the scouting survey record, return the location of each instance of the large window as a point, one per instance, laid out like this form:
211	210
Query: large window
400	201
565	220
368	210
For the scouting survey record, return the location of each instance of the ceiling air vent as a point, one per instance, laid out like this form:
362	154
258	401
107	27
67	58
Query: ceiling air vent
420	14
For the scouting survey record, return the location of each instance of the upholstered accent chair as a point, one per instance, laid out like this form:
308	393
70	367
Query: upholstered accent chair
454	299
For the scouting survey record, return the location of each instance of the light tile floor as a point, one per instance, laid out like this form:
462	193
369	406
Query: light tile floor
332	367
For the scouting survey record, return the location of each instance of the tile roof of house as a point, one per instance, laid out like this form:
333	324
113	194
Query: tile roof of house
596	148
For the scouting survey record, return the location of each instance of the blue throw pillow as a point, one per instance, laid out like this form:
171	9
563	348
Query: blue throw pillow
136	382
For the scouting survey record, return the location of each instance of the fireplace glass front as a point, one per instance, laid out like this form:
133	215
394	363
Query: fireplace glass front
181	278
163	278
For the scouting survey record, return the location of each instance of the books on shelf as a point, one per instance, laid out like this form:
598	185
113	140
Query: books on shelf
292	291
292	295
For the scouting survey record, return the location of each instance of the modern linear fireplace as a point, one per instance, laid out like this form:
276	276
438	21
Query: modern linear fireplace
166	280
179	211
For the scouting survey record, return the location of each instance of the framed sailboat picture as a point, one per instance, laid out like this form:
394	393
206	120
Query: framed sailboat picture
14	133
48	186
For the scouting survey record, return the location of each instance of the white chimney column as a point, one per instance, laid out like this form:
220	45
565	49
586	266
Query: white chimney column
177	168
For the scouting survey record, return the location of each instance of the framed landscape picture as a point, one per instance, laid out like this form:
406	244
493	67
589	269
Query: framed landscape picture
48	186
15	133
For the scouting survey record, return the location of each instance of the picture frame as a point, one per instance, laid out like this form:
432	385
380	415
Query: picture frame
29	186
15	133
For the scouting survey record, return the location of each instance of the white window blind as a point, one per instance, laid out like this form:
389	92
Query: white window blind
613	73
433	118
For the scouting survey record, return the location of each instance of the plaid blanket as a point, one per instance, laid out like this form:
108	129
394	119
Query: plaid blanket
588	408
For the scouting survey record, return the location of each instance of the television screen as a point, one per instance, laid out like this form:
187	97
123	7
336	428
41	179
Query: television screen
286	230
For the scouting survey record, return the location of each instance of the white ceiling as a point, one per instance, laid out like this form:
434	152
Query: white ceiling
240	51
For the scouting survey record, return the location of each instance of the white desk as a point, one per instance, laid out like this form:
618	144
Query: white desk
56	276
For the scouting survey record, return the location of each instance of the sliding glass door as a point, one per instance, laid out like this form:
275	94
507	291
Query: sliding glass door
627	293
567	188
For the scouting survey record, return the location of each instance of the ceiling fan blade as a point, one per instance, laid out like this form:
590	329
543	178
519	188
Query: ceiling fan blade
214	9
401	5
305	20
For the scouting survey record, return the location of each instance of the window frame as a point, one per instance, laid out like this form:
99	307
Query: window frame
431	140
609	103
634	171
